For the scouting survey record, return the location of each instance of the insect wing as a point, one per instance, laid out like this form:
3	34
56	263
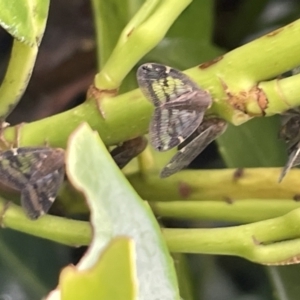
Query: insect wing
186	155
169	127
209	130
162	84
37	197
179	104
123	154
294	160
36	173
47	162
16	166
289	132
290	124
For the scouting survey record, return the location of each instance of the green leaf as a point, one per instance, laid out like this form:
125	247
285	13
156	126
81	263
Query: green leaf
25	20
110	19
23	270
285	280
117	210
253	144
173	52
115	268
196	22
188	42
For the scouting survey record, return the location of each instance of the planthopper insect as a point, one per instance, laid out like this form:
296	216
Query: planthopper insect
206	133
290	133
37	173
124	153
180	106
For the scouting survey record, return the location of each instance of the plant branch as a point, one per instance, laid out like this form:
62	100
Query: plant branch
128	115
143	31
254	183
274	241
283	92
61	230
242	211
18	73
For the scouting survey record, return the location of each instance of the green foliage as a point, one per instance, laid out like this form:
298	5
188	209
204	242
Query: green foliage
257	148
178	33
115	268
24	20
111	217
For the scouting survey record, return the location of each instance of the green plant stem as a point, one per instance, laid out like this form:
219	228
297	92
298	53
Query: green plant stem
109	20
141	16
185	277
243	211
234	75
283	92
274	241
200	187
61	230
128	115
192	194
141	35
18	73
255	183
119	123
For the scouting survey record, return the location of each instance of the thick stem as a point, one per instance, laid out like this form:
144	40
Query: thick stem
283	92
138	38
274	241
18	73
127	115
243	211
61	230
254	183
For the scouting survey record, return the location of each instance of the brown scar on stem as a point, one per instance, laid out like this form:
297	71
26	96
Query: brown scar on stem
260	97
211	62
97	94
228	200
290	261
238	173
275	32
184	189
130	32
240	100
296	197
233	99
255	241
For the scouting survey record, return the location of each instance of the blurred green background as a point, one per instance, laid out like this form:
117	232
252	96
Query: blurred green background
66	64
